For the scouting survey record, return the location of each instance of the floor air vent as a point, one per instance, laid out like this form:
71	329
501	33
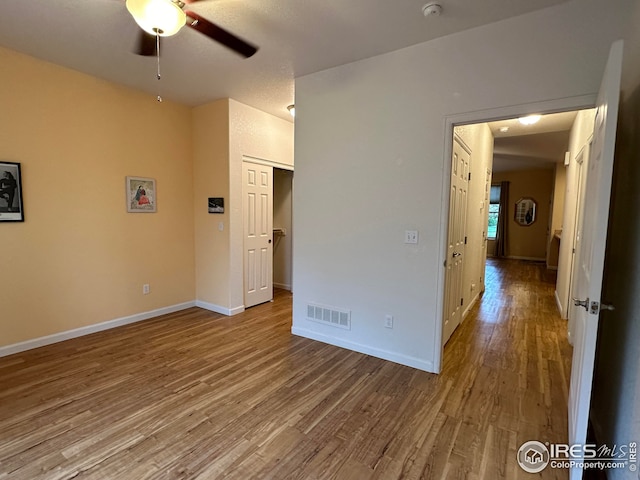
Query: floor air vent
329	315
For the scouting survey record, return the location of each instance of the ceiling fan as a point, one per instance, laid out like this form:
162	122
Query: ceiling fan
163	18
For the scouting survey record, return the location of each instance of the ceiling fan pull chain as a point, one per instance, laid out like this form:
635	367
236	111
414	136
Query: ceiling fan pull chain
158	59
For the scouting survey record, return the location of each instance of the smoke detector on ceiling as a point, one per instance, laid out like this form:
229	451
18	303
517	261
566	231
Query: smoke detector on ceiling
432	10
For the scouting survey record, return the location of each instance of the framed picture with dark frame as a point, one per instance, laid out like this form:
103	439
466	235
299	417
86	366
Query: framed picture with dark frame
141	195
11	207
215	205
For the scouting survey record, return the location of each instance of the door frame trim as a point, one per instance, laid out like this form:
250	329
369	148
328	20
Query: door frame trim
480	116
268	163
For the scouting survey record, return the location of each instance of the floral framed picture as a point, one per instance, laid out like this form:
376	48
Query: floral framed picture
141	195
11	207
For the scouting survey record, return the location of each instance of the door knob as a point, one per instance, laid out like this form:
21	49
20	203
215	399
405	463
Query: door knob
456	254
269	240
581	303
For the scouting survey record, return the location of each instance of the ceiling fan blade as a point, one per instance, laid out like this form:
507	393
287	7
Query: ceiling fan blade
146	44
220	35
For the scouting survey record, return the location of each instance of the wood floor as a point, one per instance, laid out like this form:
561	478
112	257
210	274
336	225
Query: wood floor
195	395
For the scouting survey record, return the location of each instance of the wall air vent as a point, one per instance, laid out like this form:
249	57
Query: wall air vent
336	317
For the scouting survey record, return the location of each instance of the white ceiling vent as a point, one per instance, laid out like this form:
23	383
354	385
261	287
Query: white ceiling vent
336	317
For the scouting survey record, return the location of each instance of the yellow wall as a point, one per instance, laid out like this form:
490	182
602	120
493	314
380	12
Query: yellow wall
530	241
80	258
224	133
557	212
211	167
253	134
559	187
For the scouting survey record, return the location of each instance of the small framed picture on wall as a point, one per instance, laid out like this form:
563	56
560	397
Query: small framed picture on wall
11	207
216	205
141	195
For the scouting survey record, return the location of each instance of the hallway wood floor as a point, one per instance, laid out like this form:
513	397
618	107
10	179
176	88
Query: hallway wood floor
196	395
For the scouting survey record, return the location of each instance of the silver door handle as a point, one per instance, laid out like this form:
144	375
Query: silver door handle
581	303
456	254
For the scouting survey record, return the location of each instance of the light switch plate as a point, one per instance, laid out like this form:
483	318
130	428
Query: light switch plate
411	236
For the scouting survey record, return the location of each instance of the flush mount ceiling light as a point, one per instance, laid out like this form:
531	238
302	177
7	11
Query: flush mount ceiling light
530	119
158	17
292	110
432	10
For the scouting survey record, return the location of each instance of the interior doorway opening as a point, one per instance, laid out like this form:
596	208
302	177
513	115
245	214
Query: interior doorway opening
267	216
523	195
283	229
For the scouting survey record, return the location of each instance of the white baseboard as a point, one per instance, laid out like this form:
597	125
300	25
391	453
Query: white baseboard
284	286
218	309
559	304
532	259
98	327
373	351
470	306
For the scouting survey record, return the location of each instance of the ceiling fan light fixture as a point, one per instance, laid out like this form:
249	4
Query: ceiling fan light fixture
162	17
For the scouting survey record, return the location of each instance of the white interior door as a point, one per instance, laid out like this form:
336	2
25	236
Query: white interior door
257	206
590	255
581	161
458	195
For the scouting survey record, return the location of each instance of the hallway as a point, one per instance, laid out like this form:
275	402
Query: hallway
512	362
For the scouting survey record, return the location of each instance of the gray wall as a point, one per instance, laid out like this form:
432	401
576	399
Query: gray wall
371	163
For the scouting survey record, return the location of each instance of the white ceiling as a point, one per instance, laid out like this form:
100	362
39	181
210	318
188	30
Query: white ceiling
556	122
541	145
296	37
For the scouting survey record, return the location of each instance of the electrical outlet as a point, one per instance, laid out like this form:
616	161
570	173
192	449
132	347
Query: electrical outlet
411	236
388	321
145	289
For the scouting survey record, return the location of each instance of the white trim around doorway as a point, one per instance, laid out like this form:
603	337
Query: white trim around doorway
479	116
268	163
